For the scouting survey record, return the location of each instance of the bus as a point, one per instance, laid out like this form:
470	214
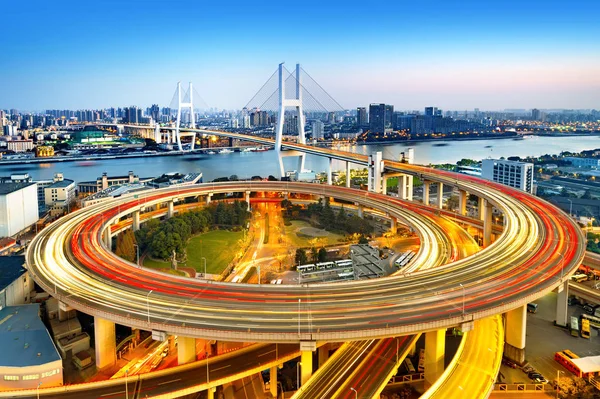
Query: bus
574	326
410	369
235	279
343	263
325	265
421	365
593	320
564	358
585	328
306	268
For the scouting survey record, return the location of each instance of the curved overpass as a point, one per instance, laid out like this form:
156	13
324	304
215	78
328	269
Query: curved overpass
70	259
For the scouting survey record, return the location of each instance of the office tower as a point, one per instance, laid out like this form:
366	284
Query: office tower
380	118
430	111
362	117
318	130
511	173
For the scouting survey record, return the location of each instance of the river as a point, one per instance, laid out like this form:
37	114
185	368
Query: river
247	164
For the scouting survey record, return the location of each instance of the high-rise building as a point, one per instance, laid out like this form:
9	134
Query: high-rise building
430	111
155	112
362	117
536	114
318	130
380	118
510	173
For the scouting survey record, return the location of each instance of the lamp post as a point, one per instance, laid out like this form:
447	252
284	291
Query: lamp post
126	388
557	378
38	389
204	260
463	305
298	365
148	304
570	207
355	392
207	375
299	302
137	251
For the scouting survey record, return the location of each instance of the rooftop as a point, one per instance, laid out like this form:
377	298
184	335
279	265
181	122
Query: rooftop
7	188
11	268
61	183
24	340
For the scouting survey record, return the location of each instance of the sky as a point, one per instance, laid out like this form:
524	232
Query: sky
455	55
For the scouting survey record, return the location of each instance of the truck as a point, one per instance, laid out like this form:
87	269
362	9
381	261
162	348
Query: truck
585	328
574	326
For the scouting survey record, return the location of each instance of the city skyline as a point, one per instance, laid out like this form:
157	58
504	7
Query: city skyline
454	56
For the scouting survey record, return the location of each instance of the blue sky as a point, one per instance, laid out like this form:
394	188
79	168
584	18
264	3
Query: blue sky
455	55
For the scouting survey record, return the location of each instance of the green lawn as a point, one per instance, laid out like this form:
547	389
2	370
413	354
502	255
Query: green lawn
298	241
217	246
164	267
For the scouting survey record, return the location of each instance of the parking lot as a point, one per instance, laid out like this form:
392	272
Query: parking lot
544	339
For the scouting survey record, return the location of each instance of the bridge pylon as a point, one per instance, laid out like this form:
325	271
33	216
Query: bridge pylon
284	102
181	104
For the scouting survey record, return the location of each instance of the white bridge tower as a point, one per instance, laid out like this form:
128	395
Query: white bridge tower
293	102
180	104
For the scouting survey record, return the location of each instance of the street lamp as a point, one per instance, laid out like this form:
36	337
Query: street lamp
298	365
557	378
299	302
148	304
126	388
38	389
570	207
204	260
463	307
137	251
355	392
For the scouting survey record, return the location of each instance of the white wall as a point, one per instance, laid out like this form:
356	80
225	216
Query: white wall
18	210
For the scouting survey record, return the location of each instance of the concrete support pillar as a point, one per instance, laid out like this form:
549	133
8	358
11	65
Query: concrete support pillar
105	342
135	224
273	381
208	198
487	224
348	179
248	200
480	207
211	393
435	349
323	354
108	238
440	195
186	350
462	202
516	327
329	171
306	360
402	187
562	304
375	169
170	209
361	213
426	185
409	187
384	180
394	226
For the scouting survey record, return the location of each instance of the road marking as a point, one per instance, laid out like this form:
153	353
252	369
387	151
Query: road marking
266	353
113	393
168	382
221	368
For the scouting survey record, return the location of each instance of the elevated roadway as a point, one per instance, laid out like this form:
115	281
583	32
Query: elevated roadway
525	262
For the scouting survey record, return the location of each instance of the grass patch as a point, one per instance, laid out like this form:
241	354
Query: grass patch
217	246
162	266
291	233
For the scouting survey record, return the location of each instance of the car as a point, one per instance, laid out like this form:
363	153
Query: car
509	363
572	300
589	309
540	380
165	352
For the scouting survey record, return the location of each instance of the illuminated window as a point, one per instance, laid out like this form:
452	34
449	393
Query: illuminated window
11	378
50	373
31	377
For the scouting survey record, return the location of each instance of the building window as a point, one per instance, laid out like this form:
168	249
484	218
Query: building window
31	377
50	373
11	378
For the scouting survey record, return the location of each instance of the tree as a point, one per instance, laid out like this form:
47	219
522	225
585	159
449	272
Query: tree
301	258
363	240
314	254
587	195
322	255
